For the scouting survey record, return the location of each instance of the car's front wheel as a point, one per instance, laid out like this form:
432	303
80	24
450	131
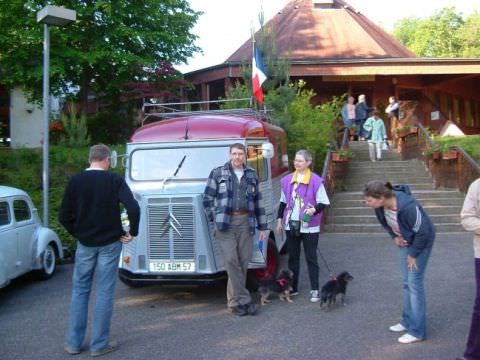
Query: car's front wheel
48	262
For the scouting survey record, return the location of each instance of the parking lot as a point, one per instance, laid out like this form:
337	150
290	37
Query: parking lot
192	323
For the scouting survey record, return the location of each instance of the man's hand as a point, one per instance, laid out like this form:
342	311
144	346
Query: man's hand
412	263
400	241
126	238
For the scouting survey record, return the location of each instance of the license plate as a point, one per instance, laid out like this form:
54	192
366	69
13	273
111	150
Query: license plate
172	266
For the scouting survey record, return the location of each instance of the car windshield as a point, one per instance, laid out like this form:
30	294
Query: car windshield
159	164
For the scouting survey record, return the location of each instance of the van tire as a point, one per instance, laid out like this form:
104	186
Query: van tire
254	276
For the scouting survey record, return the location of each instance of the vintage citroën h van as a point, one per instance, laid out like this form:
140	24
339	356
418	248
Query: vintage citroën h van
167	165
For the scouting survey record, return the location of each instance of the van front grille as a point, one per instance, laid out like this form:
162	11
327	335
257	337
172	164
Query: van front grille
171	231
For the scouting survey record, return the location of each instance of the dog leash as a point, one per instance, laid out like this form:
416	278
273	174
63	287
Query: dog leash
332	275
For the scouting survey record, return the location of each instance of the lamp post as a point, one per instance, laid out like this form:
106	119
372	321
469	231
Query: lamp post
57	16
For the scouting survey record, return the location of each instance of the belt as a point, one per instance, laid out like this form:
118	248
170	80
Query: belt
239	212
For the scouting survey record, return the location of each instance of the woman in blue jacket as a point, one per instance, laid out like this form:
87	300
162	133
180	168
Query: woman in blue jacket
414	233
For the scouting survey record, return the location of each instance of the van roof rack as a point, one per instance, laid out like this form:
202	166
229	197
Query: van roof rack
157	112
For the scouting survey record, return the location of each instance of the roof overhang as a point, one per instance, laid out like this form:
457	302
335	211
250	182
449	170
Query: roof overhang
390	66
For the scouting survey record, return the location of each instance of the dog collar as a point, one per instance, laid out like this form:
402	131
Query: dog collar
282	282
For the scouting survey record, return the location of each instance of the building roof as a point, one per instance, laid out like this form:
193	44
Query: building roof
306	32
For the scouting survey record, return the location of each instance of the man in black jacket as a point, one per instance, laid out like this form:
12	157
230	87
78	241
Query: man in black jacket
90	212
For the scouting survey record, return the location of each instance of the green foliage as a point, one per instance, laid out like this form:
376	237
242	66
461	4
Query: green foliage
237	91
22	168
444	34
75	127
113	124
312	127
470	36
112	43
469	143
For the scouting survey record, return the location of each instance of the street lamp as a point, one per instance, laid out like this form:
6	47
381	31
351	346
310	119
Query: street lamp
57	16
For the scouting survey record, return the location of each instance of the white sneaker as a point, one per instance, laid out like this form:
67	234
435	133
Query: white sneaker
408	339
397	328
314	297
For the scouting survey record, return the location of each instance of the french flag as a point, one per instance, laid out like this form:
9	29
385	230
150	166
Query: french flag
258	75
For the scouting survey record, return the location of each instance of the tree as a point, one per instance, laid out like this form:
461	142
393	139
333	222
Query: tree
112	43
469	35
444	34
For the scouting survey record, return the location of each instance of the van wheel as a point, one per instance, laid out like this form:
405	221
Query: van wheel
48	263
254	276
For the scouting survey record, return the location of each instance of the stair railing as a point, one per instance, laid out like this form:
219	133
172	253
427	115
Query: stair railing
331	171
456	173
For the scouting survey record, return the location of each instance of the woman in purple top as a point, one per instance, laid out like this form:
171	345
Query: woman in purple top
302	200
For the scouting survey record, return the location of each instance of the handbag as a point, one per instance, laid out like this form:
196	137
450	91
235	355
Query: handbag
294	226
385	145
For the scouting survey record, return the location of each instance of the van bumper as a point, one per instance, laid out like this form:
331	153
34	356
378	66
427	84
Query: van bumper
133	279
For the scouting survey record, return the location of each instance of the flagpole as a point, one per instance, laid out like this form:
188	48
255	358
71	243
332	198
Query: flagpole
252	101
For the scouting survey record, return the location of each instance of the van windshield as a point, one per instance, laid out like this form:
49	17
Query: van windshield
159	164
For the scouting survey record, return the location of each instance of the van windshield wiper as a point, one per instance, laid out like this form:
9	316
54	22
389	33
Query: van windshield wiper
179	166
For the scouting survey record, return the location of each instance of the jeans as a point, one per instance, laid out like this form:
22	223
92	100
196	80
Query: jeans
310	243
103	259
414	308
472	351
359	126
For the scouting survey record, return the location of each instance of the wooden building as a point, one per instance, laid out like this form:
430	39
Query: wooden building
337	50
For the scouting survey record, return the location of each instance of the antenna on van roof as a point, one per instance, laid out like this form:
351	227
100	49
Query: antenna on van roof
186	130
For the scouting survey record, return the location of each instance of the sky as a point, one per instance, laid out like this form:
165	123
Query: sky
226	24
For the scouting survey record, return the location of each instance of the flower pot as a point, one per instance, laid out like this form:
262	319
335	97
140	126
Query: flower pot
436	155
449	154
336	157
403	132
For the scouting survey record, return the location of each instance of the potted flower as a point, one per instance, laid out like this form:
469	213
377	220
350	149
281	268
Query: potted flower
433	152
449	153
402	131
341	155
413	130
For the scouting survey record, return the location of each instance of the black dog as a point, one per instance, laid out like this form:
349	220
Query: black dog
281	287
334	287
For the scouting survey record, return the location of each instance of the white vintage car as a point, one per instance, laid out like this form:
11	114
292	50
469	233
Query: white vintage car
25	244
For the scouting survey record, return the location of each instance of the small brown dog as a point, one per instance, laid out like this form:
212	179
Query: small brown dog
281	287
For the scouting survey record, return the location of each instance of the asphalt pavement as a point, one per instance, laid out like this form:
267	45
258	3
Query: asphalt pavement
192	323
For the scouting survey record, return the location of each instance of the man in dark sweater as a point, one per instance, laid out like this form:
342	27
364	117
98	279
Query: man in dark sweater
90	212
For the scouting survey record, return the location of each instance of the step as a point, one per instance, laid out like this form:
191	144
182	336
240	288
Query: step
372	219
377	228
360	210
413	187
419	194
396	179
383	162
352	203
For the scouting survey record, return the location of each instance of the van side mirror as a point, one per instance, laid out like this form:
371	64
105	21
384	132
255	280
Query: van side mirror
113	159
267	150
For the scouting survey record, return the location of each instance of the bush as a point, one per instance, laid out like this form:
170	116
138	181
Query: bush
22	168
312	127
